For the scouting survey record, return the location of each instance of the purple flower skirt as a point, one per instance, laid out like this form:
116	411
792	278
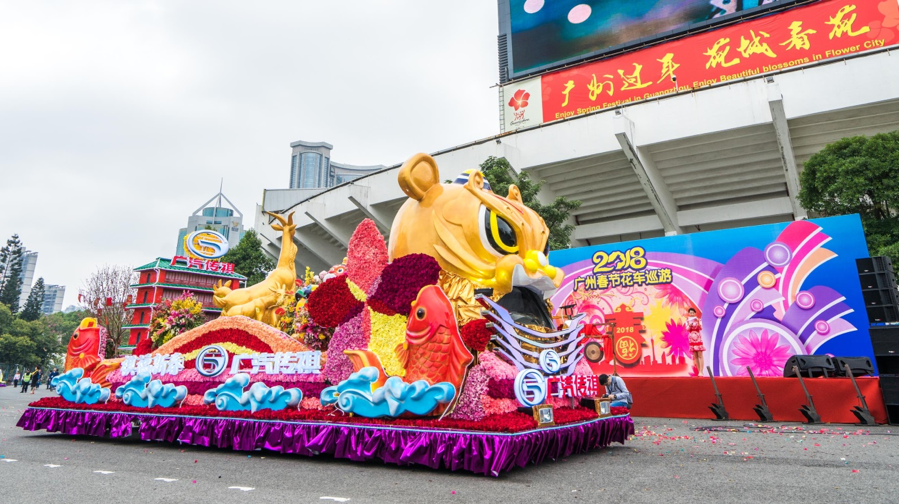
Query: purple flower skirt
479	452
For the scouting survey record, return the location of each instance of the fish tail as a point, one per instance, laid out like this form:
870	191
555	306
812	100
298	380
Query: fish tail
367	358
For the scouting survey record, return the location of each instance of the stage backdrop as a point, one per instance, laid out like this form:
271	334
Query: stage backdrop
762	294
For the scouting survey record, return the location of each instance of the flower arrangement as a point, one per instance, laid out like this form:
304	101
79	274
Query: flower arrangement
330	303
175	316
475	335
469	406
400	282
366	255
388	332
241	331
349	336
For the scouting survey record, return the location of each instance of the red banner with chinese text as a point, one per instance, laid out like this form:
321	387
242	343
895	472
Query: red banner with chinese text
825	30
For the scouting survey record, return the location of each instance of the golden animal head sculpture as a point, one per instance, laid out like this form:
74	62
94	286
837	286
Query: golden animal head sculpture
492	240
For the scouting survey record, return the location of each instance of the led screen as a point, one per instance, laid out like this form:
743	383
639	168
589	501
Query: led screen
544	33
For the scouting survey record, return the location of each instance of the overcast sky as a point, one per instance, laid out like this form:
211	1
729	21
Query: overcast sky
117	119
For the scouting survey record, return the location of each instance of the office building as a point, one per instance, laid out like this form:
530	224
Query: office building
53	296
224	220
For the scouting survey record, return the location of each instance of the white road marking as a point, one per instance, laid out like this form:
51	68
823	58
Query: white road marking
52	465
167	480
338	499
243	489
105	472
9	460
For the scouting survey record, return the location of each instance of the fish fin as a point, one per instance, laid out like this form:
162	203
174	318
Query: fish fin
367	358
402	353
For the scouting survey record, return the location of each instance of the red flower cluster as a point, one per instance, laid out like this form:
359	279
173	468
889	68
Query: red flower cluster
366	255
619	410
330	303
507	422
400	282
475	335
144	347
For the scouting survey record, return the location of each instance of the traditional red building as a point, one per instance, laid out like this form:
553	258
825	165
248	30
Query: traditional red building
168	279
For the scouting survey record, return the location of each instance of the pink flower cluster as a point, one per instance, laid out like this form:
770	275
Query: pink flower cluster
366	255
470	406
496	368
349	336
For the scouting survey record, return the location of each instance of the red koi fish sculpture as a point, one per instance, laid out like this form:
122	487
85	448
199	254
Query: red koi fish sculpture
433	350
84	347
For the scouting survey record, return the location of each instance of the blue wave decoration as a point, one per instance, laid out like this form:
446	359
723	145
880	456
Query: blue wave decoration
79	390
230	396
354	395
141	392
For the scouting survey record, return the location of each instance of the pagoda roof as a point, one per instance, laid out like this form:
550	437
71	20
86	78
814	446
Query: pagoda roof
165	264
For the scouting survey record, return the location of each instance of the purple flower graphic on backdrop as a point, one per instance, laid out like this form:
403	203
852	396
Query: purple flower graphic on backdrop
676	339
761	353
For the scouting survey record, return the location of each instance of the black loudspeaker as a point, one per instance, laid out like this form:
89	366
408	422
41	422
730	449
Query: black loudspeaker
860	366
809	365
885	340
889	385
879	289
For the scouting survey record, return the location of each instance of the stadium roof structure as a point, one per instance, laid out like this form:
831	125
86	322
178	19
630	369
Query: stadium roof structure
724	156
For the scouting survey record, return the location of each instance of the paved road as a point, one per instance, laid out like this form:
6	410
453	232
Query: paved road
668	461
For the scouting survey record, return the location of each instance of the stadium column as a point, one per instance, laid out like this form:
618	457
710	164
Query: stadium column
378	217
332	230
324	251
785	145
650	179
304	256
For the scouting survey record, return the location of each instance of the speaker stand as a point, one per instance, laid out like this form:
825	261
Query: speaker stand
717	408
760	409
807	410
861	412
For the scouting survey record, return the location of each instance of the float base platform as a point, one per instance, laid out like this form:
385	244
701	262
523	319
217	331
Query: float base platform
480	452
690	397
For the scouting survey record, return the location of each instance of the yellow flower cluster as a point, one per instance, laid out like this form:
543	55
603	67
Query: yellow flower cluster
189	304
358	293
387	332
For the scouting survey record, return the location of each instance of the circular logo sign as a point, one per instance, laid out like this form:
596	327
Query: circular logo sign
550	361
627	349
207	244
211	361
530	387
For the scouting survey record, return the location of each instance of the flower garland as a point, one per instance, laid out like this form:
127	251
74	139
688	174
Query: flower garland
496	368
229	327
400	282
388	332
330	303
510	422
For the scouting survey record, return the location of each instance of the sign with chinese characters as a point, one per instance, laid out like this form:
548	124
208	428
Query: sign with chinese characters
747	297
212	361
203	264
823	30
278	363
153	364
532	387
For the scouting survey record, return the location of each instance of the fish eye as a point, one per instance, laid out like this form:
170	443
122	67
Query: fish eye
75	336
420	314
497	235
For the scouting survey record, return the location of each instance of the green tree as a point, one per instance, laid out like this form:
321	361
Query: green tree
499	173
35	302
249	259
11	257
16	351
858	175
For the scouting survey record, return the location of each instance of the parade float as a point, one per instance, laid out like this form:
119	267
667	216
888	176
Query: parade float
438	350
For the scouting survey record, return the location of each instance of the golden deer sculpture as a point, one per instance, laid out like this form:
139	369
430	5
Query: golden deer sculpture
260	301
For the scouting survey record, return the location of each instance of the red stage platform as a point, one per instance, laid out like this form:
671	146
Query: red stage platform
690	397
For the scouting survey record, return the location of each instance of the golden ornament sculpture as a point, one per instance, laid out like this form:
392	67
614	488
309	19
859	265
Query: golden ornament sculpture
261	300
491	240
